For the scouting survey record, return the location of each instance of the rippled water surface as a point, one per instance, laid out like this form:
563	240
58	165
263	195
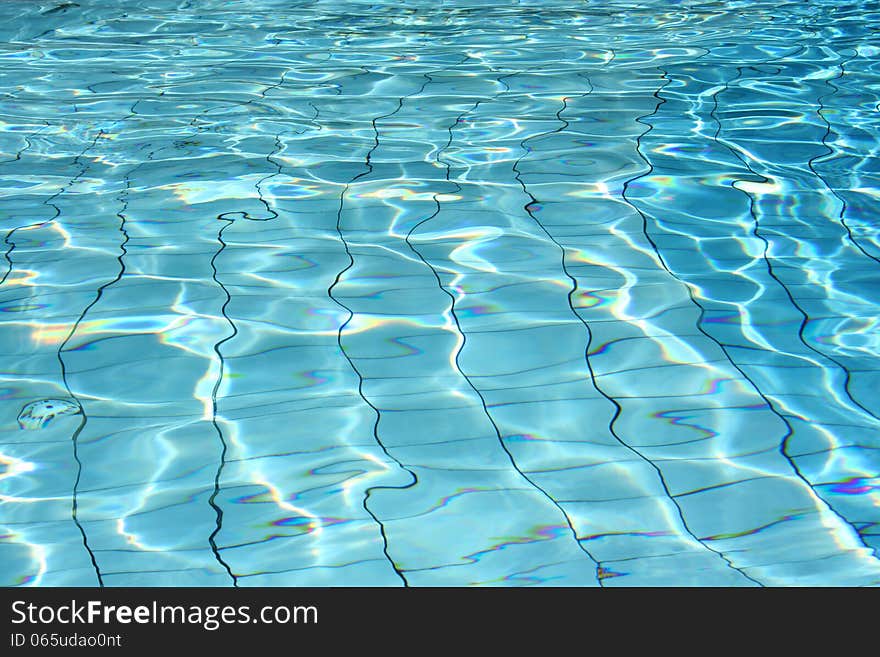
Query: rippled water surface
439	293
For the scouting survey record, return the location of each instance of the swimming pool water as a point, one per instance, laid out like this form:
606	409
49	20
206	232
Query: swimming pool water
439	293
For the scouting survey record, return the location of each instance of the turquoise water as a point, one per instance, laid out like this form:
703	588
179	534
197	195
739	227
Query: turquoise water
439	293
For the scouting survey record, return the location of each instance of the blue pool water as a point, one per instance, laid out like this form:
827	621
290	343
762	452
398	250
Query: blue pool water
439	293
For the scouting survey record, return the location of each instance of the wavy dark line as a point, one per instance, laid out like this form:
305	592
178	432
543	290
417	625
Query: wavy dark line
228	218
212	501
27	146
771	272
784	444
123	198
830	151
368	169
618	409
76	161
258	186
59	354
84	418
262	95
662	261
453	314
7	254
63	368
700	325
221	366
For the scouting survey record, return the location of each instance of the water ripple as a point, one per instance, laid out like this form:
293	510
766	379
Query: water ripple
374	293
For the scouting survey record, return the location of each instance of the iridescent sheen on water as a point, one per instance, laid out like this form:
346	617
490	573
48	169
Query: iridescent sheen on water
439	293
